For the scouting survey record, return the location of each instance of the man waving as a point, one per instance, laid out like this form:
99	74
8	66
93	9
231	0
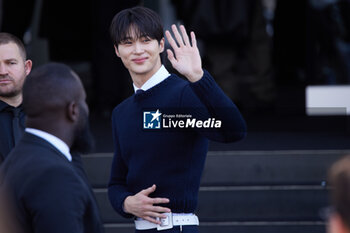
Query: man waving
159	159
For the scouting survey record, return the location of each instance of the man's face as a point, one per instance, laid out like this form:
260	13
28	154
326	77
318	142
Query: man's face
83	140
13	70
140	55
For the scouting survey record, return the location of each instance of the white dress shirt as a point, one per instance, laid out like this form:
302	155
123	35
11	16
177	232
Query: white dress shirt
55	141
158	77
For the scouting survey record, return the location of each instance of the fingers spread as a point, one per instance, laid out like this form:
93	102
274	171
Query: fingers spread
171	40
177	35
171	57
160	209
194	41
159	200
149	190
185	36
151	220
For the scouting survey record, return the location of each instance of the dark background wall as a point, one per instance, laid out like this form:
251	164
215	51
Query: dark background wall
263	53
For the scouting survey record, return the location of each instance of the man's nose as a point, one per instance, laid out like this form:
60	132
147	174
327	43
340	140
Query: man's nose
3	69
138	48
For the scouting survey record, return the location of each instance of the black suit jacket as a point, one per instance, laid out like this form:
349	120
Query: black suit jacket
6	133
46	191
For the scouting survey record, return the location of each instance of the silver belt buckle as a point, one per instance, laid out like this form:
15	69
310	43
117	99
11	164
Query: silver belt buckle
165	223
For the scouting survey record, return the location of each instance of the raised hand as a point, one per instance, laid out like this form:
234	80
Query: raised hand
142	206
185	58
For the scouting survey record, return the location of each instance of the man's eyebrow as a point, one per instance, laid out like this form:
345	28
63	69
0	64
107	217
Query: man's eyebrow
126	38
11	59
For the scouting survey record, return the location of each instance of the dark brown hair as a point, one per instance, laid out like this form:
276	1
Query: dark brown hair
144	21
6	38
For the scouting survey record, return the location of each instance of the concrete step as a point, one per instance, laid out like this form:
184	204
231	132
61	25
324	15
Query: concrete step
307	167
244	191
252	203
240	227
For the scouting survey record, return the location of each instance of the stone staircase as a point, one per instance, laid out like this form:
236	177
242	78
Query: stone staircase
244	191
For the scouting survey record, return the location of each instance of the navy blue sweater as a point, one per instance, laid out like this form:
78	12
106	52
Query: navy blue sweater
171	159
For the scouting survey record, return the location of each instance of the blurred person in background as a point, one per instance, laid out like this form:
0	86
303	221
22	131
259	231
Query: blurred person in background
339	213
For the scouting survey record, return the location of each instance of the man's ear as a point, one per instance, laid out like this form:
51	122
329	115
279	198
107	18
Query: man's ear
72	111
116	50
337	225
28	66
161	45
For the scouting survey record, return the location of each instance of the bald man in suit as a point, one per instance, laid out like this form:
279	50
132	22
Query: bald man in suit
44	191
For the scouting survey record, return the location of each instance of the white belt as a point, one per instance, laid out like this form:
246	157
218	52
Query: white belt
169	222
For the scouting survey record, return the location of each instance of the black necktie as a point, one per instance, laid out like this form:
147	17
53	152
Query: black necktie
139	91
15	125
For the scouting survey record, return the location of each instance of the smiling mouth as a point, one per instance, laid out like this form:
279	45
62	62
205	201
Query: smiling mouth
139	60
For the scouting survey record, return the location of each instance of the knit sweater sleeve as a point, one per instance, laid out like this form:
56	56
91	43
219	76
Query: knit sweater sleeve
205	99
117	187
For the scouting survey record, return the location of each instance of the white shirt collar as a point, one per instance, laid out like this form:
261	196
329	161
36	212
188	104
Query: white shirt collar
55	141
158	77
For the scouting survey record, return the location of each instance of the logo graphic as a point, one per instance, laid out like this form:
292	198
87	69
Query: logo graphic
152	120
157	120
